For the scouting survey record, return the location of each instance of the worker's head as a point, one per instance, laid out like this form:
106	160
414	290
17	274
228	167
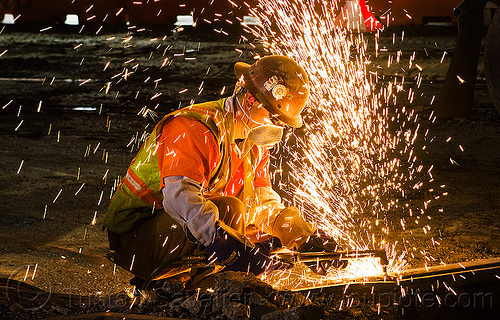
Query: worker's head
254	121
278	84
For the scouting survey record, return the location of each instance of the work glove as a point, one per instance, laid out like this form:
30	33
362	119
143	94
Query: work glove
236	253
291	228
319	241
295	232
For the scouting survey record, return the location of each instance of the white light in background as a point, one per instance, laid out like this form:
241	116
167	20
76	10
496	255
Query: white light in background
184	20
8	18
72	20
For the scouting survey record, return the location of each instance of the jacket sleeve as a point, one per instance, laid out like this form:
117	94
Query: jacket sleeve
183	201
187	153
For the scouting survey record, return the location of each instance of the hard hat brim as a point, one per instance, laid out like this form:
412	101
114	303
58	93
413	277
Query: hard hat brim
241	69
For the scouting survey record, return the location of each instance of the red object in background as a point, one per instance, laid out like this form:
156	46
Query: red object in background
414	12
371	23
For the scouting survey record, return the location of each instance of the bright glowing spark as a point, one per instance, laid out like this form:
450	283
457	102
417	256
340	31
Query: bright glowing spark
55	199
20	166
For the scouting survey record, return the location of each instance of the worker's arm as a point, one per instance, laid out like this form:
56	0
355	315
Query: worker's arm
267	206
187	153
267	201
183	201
288	224
271	216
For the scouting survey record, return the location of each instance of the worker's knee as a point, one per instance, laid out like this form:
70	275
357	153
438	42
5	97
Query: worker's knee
114	240
153	242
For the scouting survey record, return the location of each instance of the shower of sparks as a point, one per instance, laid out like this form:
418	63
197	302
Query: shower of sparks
357	270
348	169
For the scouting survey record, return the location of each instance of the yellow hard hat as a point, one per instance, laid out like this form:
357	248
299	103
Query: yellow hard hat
279	83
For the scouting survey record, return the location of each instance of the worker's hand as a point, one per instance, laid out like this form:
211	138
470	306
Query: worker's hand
319	241
291	228
234	251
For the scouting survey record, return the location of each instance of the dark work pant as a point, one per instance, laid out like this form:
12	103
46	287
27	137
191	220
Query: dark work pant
160	238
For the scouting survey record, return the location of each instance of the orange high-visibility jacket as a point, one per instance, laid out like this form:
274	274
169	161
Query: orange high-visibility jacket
196	142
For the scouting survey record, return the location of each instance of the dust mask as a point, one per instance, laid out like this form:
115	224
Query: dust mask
266	135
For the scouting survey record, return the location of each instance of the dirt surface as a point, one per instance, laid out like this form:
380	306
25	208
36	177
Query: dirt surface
53	206
66	137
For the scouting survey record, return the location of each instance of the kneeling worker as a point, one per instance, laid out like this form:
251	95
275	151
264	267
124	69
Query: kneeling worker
201	184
